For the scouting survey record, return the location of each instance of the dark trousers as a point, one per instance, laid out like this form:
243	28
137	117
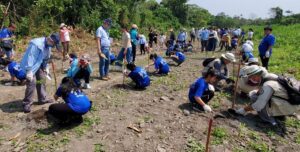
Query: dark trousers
222	44
64	113
142	48
82	74
264	61
133	51
206	97
203	45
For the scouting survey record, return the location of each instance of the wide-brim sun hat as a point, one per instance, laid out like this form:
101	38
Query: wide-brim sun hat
252	70
252	60
229	56
62	25
134	26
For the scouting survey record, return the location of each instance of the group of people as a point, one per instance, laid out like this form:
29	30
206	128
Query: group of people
262	87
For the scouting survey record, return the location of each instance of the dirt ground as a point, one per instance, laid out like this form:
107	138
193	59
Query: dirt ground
161	116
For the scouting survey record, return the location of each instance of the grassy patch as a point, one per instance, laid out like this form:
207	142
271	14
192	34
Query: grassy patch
292	122
219	134
259	146
88	122
99	148
194	146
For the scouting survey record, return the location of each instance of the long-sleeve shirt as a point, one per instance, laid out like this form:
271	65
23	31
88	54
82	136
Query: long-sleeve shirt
74	68
36	56
181	36
220	68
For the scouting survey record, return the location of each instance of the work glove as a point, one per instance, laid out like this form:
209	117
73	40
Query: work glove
241	111
267	54
29	76
211	88
229	81
207	108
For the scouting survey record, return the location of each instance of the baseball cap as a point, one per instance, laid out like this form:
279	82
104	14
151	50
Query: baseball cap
108	21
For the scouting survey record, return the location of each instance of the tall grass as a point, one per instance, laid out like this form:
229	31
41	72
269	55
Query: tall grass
286	52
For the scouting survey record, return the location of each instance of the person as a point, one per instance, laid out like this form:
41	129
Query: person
270	101
265	46
250	34
202	91
64	34
212	40
234	42
245	83
151	37
178	57
220	66
204	39
182	37
6	43
103	46
34	62
246	51
189	47
223	42
227	42
160	65
14	70
81	69
143	42
126	51
134	39
172	37
112	58
162	39
138	75
193	35
76	103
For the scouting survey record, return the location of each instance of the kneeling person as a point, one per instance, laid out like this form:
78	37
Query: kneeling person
138	75
161	66
202	91
178	57
76	103
14	70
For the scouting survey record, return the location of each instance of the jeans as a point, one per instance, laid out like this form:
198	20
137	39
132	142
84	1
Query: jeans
133	51
104	64
82	74
121	56
265	62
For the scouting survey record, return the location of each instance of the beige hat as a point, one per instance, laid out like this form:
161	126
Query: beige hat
251	70
252	60
62	25
229	56
134	26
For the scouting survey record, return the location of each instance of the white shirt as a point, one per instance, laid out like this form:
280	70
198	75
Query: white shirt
104	37
250	34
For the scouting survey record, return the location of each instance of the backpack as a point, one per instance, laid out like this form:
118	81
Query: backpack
292	87
207	61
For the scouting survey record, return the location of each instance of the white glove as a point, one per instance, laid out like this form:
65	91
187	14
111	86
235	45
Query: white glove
207	108
267	54
241	111
29	75
211	88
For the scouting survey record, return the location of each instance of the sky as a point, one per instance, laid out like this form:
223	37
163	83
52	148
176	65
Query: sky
249	8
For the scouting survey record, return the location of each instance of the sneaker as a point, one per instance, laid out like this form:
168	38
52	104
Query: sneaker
26	108
87	86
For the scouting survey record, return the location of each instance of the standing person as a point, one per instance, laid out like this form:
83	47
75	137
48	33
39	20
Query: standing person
182	37
34	62
202	91
151	38
6	42
212	41
193	35
81	69
76	103
134	39
138	75
126	51
64	34
265	46
103	46
162	40
204	39
172	36
143	43
250	34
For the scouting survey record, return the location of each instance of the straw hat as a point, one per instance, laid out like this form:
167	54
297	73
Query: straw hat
229	56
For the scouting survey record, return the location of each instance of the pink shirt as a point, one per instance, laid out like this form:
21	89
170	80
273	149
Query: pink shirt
64	35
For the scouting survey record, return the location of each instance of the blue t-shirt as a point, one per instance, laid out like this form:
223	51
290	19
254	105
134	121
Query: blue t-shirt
204	35
140	77
180	56
77	101
247	55
5	33
112	58
197	89
16	71
267	41
161	65
234	42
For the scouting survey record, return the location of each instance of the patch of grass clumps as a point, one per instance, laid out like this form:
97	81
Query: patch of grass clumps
219	134
99	148
194	146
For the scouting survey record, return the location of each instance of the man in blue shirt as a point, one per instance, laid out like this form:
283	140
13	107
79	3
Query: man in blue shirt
265	46
103	45
34	62
202	91
204	39
76	103
134	40
138	75
182	37
14	70
178	57
6	42
160	65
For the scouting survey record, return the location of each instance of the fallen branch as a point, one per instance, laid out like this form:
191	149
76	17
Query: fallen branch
134	128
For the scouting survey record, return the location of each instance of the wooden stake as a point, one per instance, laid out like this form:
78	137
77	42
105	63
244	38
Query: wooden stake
123	73
54	74
235	85
208	135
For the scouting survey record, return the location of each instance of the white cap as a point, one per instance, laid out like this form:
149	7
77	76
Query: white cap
229	56
62	25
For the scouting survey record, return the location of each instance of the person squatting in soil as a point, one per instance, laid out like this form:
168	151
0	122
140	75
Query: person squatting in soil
14	70
138	75
160	65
